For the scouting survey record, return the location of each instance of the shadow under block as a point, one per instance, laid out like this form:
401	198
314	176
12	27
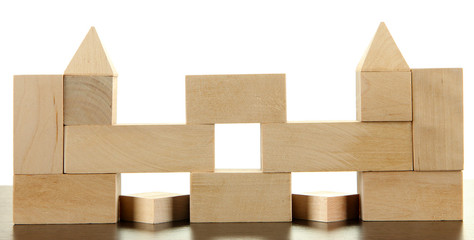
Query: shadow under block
240	197
438	119
139	148
336	146
252	98
325	206
410	196
384	96
154	207
66	198
38	124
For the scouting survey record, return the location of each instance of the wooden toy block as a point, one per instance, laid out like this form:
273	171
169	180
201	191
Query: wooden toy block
65	198
336	146
384	96
252	98
325	206
240	196
410	196
38	124
138	148
438	119
154	207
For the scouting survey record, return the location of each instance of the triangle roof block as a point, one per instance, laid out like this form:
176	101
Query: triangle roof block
91	58
382	54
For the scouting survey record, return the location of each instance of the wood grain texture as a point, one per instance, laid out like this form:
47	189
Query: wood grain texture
384	96
66	198
156	207
38	124
252	98
240	197
336	146
139	148
438	119
325	206
411	196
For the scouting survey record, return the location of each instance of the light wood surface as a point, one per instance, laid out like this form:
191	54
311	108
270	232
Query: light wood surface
438	119
336	146
325	206
411	196
66	198
240	197
38	124
139	148
246	98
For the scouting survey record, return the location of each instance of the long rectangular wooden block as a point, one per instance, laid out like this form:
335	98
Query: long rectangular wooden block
325	206
247	196
438	119
252	98
139	148
336	146
65	198
38	124
411	196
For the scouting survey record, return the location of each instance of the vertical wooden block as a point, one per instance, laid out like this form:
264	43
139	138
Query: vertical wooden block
325	206
438	119
240	197
38	124
65	198
411	196
154	207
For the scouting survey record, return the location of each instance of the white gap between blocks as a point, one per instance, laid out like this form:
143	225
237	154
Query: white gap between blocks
345	182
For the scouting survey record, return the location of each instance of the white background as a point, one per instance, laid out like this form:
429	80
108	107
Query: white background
153	45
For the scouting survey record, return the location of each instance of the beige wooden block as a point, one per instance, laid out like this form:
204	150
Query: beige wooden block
246	196
90	100
65	198
138	148
438	119
156	207
336	146
384	96
325	206
410	196
38	124
252	98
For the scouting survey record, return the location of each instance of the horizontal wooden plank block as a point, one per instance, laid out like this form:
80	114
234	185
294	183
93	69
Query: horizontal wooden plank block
336	146
38	124
325	206
438	119
252	98
139	148
66	198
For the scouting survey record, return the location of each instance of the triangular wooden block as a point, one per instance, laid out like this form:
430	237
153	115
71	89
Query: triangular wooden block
382	54
91	58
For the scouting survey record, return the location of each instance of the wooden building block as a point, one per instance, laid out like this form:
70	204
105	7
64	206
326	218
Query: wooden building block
438	119
410	196
246	196
138	148
336	146
38	124
384	96
156	207
253	98
65	198
325	206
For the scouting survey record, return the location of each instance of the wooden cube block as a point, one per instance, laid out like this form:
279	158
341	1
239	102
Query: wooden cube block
253	98
65	198
438	119
336	146
138	148
154	207
245	196
38	124
325	206
411	196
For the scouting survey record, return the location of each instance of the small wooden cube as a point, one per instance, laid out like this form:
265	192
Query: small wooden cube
325	206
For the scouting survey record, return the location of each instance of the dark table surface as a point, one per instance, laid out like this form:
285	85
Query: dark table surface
296	230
